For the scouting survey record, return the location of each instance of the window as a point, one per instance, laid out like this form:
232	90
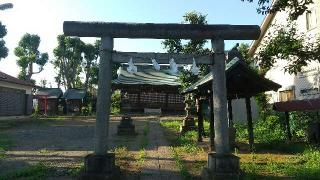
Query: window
287	95
175	99
147	97
311	19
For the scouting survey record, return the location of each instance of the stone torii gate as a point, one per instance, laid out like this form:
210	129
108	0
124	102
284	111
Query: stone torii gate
221	163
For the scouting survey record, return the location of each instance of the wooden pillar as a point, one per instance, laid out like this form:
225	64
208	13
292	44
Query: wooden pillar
287	119
250	123
230	115
219	93
104	97
200	119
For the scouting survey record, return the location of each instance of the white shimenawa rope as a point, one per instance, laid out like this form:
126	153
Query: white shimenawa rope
173	67
155	64
194	68
131	68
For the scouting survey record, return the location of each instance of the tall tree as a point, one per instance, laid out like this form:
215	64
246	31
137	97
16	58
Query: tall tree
3	48
68	60
193	46
28	54
90	65
6	6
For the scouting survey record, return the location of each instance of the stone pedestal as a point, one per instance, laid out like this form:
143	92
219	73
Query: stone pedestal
188	125
126	127
100	167
221	167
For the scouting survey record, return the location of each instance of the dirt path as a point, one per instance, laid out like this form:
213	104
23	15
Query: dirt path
62	144
159	163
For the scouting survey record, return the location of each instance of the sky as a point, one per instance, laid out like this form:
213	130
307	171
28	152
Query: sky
45	18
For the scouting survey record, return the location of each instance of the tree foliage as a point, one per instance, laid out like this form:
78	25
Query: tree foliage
90	64
287	44
295	8
193	46
3	48
28	55
68	61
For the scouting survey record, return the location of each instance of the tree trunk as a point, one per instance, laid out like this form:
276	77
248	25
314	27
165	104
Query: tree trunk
30	71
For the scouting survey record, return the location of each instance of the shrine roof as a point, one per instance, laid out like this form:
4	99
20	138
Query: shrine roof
146	75
74	93
241	81
48	93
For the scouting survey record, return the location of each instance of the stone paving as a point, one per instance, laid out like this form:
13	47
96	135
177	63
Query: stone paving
159	162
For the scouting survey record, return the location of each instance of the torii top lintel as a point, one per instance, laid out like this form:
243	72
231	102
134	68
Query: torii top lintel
160	31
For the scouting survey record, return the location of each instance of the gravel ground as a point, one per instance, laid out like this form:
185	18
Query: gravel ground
62	144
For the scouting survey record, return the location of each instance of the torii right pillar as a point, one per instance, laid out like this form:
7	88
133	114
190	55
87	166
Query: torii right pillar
222	164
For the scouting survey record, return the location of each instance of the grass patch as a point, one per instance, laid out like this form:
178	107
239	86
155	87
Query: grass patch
184	149
35	172
172	125
141	157
5	142
269	166
179	162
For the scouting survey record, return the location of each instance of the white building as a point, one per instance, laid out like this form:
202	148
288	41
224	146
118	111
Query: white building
306	84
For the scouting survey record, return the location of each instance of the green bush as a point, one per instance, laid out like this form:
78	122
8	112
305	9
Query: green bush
270	130
115	102
267	131
86	110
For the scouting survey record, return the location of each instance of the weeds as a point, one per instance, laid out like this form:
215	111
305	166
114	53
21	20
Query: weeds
141	157
35	172
179	162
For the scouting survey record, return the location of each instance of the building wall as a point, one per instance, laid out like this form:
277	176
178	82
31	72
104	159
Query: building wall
239	110
14	102
27	89
52	105
304	85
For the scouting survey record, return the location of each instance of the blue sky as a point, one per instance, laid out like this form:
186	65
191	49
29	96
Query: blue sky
45	18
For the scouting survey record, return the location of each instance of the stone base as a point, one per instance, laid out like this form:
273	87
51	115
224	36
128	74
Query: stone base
126	127
222	166
126	131
188	125
100	167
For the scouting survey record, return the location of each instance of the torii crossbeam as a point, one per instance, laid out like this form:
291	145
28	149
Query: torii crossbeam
221	163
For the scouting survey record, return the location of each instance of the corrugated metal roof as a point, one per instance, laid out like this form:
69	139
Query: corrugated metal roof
49	93
260	83
209	76
147	75
74	94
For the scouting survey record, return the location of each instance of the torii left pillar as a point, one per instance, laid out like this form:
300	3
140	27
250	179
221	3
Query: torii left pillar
101	164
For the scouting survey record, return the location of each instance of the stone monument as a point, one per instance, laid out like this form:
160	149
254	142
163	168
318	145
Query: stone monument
188	122
126	127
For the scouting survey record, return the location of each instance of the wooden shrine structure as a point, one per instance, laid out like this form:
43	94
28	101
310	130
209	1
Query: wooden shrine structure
221	163
242	82
149	89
